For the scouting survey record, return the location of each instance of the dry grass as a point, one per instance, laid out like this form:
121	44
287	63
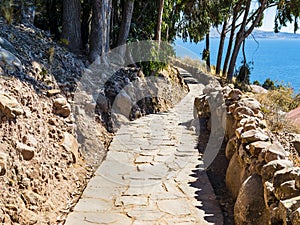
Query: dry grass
275	104
295	159
194	62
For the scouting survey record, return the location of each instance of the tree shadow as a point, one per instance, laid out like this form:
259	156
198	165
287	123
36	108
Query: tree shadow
206	197
216	175
204	193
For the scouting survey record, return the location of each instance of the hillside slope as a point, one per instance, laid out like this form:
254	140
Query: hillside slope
44	164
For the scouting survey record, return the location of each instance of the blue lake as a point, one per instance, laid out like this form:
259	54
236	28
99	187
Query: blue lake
278	59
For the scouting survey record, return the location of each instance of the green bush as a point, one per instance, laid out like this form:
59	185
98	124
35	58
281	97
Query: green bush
159	59
243	73
256	82
269	84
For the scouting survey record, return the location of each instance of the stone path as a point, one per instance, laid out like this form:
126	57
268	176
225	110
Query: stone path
153	174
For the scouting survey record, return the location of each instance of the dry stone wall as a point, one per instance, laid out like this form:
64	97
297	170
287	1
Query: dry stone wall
260	175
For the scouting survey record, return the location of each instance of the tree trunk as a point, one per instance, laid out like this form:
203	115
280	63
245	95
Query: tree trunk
52	15
85	24
100	30
230	43
126	22
117	5
96	31
243	33
159	21
238	41
207	49
107	21
237	46
221	48
71	30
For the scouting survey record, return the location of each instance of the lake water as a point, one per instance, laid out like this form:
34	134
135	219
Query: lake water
278	59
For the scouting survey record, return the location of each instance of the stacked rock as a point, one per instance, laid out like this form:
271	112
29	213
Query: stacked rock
260	176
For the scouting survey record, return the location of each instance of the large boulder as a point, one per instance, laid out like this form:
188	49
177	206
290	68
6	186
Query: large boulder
287	190
285	175
275	152
257	147
251	103
235	175
258	89
250	205
9	59
243	112
7	45
122	104
235	95
254	135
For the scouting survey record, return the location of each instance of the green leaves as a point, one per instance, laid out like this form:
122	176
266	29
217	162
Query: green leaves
288	11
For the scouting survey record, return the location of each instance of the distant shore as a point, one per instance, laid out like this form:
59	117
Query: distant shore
274	58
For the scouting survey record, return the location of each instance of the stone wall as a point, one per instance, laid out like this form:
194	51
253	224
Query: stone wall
260	176
265	183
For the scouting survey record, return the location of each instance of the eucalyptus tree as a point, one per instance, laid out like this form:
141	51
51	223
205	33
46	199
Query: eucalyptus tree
127	11
197	19
100	29
251	18
71	27
248	15
159	21
236	12
195	23
228	10
287	12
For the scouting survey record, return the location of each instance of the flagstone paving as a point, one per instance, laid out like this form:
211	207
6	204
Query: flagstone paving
153	174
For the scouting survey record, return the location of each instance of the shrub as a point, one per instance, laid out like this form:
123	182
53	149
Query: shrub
256	82
269	84
243	75
159	59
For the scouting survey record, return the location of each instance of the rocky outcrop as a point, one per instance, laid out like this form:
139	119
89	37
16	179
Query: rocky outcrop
41	168
38	175
261	175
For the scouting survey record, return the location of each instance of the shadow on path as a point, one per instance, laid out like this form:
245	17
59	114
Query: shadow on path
204	195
